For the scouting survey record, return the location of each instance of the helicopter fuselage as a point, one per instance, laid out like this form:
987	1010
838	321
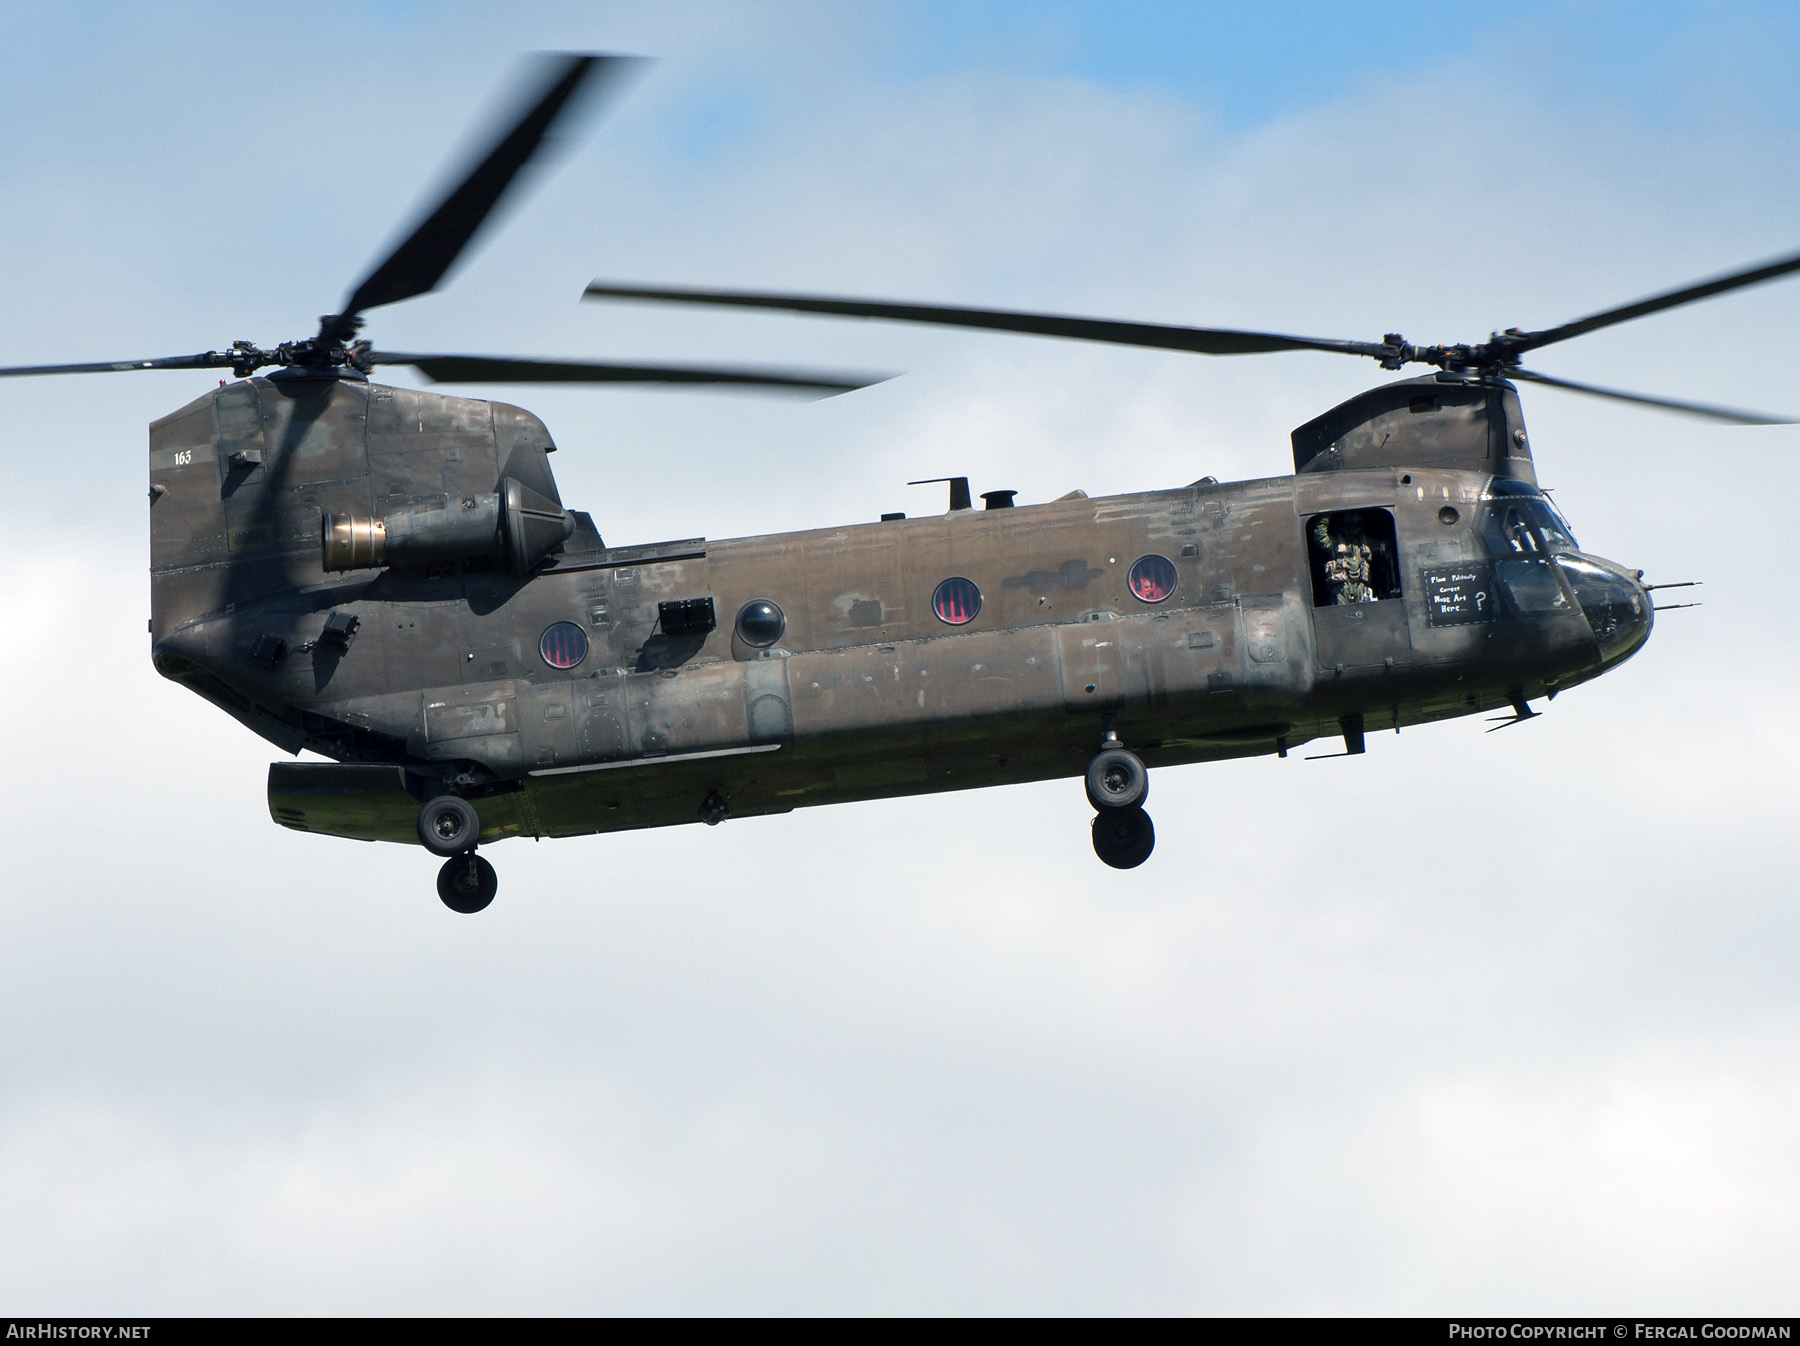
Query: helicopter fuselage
597	689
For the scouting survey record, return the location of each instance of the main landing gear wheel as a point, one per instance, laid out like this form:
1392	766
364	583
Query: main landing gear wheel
1117	780
467	883
1124	838
448	826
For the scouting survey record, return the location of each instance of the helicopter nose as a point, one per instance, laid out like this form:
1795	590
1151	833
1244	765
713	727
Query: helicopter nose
1615	603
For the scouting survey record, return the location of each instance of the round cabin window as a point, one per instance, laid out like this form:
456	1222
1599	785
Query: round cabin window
563	645
1152	578
760	623
956	601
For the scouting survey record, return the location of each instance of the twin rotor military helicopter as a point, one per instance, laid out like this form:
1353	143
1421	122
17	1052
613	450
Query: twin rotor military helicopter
389	578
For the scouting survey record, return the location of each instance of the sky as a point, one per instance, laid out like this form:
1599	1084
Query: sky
1471	1024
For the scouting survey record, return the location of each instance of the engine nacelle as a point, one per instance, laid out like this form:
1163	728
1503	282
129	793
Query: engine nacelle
514	524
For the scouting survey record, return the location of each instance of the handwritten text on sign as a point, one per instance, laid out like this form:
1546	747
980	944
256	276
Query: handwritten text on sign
1459	595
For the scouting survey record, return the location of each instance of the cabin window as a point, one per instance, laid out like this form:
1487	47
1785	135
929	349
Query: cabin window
1354	557
956	601
1152	578
563	645
760	623
1519	520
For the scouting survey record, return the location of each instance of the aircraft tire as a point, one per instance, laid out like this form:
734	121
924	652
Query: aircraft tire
1124	838
1117	781
448	826
467	883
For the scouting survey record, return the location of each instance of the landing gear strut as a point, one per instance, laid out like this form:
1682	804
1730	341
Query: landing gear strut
1117	786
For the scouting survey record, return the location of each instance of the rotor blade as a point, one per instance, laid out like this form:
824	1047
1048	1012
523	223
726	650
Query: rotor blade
1200	340
1701	409
419	263
1705	289
504	369
205	360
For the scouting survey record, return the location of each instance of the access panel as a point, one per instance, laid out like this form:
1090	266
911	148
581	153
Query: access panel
1363	635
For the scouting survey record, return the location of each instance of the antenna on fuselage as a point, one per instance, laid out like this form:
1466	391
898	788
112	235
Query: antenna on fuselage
959	491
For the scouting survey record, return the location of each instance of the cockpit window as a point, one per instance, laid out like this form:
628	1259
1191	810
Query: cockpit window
1519	520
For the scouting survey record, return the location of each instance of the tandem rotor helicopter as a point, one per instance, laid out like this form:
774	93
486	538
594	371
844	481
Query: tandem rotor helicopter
389	578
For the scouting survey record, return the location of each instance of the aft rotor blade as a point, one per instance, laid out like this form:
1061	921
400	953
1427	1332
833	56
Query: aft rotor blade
503	369
419	263
1158	336
1702	409
205	360
1688	294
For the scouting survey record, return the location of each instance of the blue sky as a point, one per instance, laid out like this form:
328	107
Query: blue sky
1249	64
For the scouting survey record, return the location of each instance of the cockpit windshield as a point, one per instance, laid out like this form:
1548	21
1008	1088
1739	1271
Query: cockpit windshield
1519	520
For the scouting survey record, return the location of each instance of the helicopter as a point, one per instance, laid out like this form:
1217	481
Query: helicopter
389	578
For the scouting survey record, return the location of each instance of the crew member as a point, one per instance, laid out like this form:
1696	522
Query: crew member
1349	558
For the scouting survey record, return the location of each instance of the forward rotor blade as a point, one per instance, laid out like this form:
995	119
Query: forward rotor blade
503	369
419	263
205	360
1701	409
1158	336
1705	289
